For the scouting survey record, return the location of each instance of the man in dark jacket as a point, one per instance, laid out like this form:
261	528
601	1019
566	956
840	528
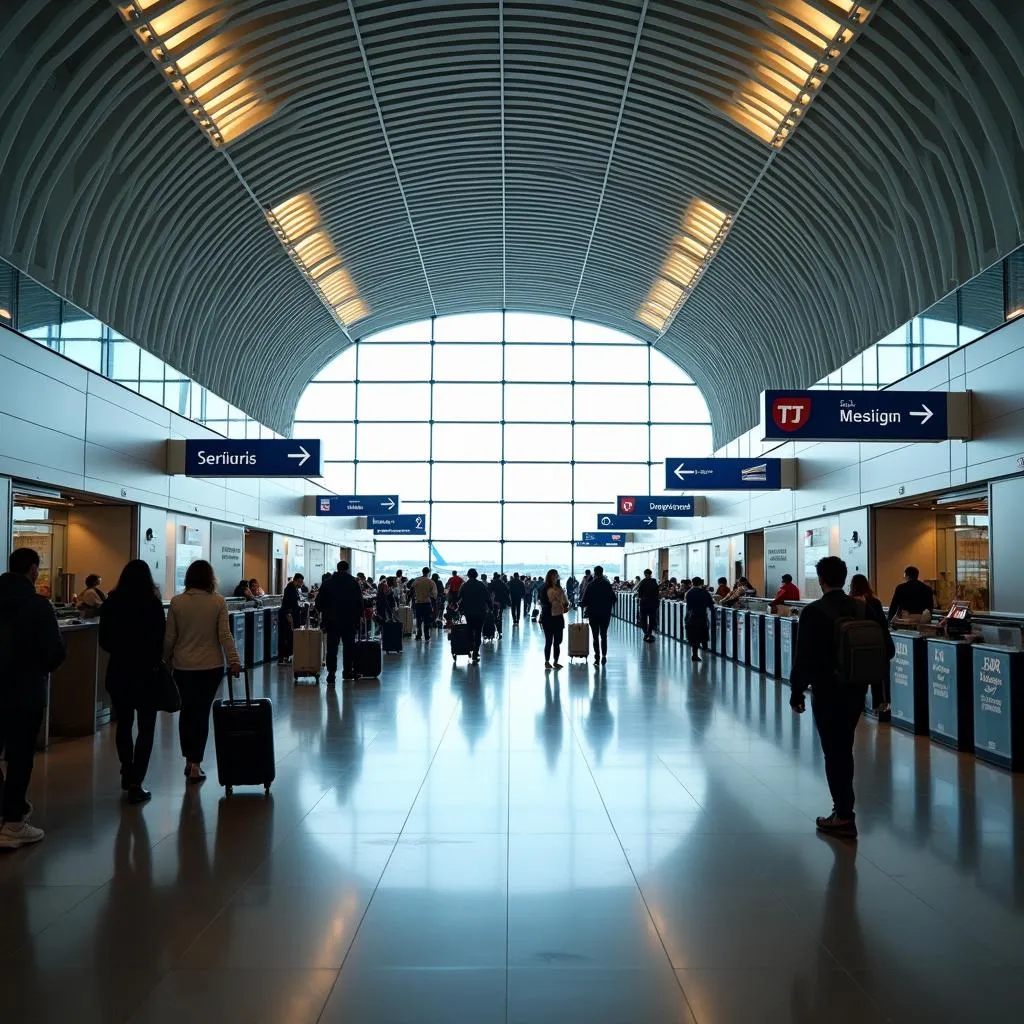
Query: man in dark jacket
650	595
474	601
517	595
30	649
501	599
341	602
836	706
911	597
597	603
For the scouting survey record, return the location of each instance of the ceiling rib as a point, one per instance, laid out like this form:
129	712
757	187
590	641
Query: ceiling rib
611	151
501	78
387	144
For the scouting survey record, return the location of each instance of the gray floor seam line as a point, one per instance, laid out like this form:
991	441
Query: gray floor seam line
508	843
629	864
398	839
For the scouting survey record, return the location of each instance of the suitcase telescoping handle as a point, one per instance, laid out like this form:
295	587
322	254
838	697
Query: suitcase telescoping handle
245	681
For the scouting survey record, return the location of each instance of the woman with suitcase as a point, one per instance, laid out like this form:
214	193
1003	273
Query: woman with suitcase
553	606
197	640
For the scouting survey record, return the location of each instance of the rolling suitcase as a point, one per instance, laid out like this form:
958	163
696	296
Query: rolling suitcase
243	734
488	630
461	640
405	618
391	637
308	653
368	658
579	640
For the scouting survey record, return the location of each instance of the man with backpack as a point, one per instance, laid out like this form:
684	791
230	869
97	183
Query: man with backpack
30	649
839	651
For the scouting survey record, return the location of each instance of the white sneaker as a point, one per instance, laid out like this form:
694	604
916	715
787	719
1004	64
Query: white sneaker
21	833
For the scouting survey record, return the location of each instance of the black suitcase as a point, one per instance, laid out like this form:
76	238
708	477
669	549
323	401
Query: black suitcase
461	640
488	629
243	733
368	657
391	637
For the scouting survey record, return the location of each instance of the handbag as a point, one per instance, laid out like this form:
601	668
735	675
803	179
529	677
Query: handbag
167	697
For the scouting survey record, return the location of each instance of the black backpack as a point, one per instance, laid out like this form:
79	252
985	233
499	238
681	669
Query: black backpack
862	652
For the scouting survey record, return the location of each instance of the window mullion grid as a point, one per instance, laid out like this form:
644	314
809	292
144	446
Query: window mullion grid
501	453
355	424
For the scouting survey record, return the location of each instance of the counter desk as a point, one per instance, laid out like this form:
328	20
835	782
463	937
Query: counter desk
997	680
78	701
909	682
950	693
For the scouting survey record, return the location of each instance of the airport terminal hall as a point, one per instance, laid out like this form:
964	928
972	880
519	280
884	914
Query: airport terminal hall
511	512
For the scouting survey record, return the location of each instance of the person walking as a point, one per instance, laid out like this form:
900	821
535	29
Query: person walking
197	641
597	603
650	596
341	602
424	594
500	599
517	597
474	601
698	602
132	626
30	649
553	605
288	617
881	701
838	650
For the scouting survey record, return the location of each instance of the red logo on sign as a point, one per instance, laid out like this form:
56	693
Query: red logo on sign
791	414
627	506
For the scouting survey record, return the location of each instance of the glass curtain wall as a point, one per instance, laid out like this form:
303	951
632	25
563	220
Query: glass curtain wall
509	432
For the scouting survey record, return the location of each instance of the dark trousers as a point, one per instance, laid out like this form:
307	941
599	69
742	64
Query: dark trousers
881	692
285	640
553	630
599	628
649	619
836	713
134	752
346	638
424	619
476	628
517	610
19	729
197	691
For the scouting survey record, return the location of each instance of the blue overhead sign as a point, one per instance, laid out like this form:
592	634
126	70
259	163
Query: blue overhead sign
356	504
602	540
610	521
865	415
403	526
227	457
723	474
656	505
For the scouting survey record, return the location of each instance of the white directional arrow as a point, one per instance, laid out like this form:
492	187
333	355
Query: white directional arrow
925	415
680	472
389	504
302	455
648	521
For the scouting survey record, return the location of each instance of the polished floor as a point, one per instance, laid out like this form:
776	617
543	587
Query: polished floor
493	844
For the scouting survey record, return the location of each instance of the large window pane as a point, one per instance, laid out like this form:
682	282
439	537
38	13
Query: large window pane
538	362
665	371
937	325
340	477
467	402
538	403
393	402
585	516
409	480
526	442
408	555
537	328
893	363
327	402
483	556
385	441
464	521
603	483
467	362
468	327
525	481
467	442
691	442
394	362
535	558
87	353
472	481
419	330
538	522
338	438
610	443
611	403
1015	284
981	304
614	364
38	312
594	334
677	404
341	368
124	361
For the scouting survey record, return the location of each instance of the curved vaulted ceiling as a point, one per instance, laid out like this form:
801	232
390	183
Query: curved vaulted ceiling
460	156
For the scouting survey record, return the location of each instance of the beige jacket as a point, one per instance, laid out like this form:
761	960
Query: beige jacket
198	634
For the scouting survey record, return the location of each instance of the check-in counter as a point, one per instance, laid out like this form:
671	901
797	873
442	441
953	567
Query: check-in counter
238	631
718	635
950	693
909	682
998	705
680	621
771	646
787	627
755	633
255	644
271	629
78	701
741	632
729	632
